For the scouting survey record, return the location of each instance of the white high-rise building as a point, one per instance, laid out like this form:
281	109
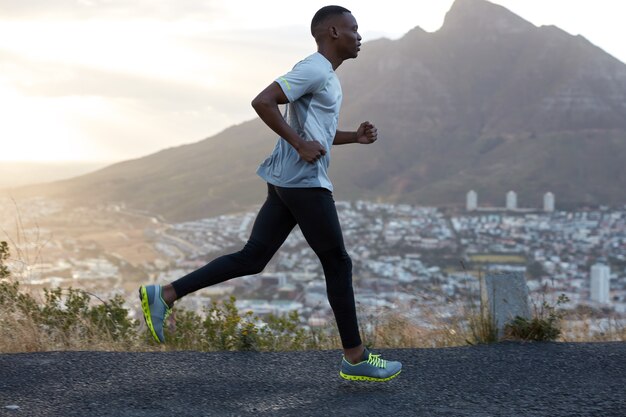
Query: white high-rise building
548	202
511	200
472	200
600	283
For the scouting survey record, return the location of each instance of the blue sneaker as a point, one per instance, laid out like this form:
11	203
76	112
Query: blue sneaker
372	369
154	309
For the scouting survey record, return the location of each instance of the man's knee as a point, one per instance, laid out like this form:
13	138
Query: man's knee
253	257
338	272
336	260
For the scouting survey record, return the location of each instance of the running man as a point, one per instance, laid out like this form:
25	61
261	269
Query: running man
299	192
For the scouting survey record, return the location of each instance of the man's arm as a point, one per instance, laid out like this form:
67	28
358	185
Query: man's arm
343	138
266	106
365	134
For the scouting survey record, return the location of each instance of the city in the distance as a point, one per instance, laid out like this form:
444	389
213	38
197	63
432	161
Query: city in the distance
421	262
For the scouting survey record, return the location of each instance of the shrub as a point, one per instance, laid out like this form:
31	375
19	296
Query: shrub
286	333
4	255
64	319
224	327
544	326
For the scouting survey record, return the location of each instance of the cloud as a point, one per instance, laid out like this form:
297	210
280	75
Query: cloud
59	80
106	115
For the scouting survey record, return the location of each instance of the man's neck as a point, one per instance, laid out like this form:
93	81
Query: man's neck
332	57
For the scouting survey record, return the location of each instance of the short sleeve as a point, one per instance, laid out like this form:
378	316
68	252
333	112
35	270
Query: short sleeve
306	77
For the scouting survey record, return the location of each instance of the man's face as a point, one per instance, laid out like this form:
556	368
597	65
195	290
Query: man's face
349	40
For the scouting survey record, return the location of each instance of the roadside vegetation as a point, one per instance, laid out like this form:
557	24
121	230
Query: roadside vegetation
73	319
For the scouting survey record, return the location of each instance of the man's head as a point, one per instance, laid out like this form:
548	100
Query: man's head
335	26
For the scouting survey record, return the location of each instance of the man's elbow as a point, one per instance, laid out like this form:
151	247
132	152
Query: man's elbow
259	102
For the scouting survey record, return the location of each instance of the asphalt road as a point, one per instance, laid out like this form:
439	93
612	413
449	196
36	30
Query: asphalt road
506	379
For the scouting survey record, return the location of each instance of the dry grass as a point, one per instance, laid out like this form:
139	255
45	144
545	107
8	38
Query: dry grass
396	331
60	319
20	332
584	328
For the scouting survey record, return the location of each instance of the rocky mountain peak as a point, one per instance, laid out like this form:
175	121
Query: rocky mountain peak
480	15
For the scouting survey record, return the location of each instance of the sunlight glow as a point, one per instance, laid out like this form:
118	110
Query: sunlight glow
49	136
146	48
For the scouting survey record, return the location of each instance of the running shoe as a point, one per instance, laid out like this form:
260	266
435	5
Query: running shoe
155	310
373	369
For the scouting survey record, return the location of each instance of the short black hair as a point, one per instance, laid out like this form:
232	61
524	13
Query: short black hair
324	13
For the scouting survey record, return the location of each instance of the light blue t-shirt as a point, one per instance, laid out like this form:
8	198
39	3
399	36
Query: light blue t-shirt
314	95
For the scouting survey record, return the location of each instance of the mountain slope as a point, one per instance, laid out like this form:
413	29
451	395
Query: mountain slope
489	102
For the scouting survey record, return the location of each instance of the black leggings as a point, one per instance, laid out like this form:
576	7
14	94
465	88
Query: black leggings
313	209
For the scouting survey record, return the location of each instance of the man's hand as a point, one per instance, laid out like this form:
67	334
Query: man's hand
366	133
311	150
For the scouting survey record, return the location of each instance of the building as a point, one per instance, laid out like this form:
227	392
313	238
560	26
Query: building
511	200
600	283
472	200
548	202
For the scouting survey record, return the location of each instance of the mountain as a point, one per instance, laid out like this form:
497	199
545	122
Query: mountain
15	174
489	102
493	103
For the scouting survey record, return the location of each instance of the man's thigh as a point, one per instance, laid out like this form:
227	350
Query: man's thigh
274	221
314	210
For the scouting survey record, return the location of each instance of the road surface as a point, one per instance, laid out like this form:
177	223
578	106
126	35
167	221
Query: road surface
506	379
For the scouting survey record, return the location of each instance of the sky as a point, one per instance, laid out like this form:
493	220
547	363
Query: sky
110	80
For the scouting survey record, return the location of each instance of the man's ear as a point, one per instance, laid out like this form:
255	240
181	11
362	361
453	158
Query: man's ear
332	31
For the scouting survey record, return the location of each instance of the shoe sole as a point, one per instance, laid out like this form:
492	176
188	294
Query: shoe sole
145	308
367	378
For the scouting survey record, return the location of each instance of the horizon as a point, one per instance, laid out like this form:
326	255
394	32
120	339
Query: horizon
15	174
96	99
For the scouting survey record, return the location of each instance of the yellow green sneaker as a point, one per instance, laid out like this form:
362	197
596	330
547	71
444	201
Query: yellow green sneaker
373	369
155	310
